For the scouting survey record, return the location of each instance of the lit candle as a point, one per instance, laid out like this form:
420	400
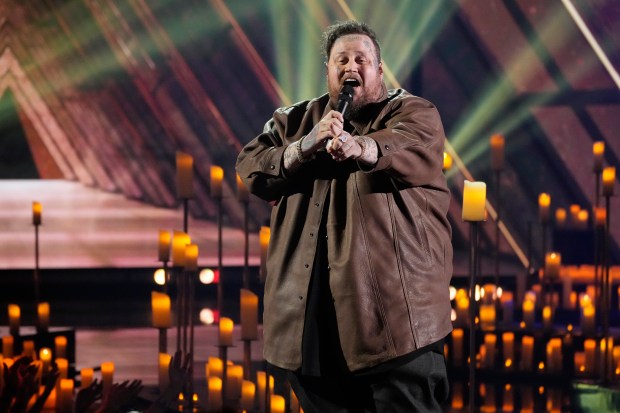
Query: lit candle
14	316
462	308
191	257
598	149
508	398
580	363
185	175
528	313
507	301
457	403
277	403
599	217
63	367
457	346
107	374
160	304
497	152
582	219
249	315
217	176
163	376
609	179
226	330
248	394
87	375
490	341
527	352
164	245
487	316
7	346
567	290
43	313
544	204
60	347
553	260
243	195
574	212
28	349
508	348
64	403
554	355
474	198
616	360
589	347
179	241
588	326
37	209
234	377
560	217
264	235
261	383
215	367
447	161
214	397
45	355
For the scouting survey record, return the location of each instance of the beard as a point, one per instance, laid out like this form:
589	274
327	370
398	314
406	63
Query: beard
362	104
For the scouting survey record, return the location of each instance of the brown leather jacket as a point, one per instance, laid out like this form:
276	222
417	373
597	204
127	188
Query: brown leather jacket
389	247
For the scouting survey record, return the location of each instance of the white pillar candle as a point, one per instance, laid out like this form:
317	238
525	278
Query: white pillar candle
248	395
163	371
86	375
226	330
60	347
249	315
107	374
527	353
474	201
214	396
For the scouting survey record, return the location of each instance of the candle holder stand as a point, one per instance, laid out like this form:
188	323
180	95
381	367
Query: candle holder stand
247	358
163	340
36	280
473	267
220	288
246	245
498	309
606	291
223	350
543	281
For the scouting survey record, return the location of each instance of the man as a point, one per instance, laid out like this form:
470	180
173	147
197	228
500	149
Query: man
360	258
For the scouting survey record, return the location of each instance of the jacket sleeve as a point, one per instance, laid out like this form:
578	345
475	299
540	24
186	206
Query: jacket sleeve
412	142
260	162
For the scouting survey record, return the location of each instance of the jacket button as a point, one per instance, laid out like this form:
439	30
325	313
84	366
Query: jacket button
387	147
272	167
307	266
316	205
312	234
329	268
301	297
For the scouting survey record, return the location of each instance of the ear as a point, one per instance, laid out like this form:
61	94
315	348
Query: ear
381	68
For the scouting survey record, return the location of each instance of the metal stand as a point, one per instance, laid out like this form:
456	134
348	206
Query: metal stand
473	267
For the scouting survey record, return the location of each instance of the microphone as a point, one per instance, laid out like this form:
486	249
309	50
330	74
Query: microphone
346	96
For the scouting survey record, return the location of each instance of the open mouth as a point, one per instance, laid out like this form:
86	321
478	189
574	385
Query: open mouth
351	82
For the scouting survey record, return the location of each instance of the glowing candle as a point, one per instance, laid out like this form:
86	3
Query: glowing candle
185	175
462	308
609	179
574	212
554	355
37	209
164	365
261	382
45	355
249	315
588	326
599	217
28	349
217	176
580	363
474	198
164	245
43	313
179	241
508	399
107	374
487	316
544	204
191	257
248	394
560	217
508	347
64	404
490	341
277	403
60	347
457	397
215	367
226	329
14	316
63	367
87	375
497	152
160	304
528	313
243	195
616	360
447	161
7	346
527	352
598	149
234	377
457	346
547	318
507	301
582	219
264	235
553	260
214	396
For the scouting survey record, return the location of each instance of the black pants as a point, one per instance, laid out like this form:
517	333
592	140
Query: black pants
420	385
